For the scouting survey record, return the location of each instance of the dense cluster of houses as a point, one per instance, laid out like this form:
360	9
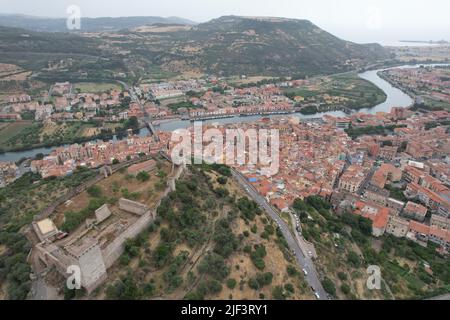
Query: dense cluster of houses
321	159
63	161
430	82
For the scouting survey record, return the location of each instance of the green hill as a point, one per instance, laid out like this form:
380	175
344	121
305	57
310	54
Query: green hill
225	46
233	45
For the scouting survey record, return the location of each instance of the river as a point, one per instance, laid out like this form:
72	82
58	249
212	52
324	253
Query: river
395	98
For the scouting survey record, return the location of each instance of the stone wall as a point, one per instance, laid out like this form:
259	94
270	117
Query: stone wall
102	213
132	206
93	269
115	249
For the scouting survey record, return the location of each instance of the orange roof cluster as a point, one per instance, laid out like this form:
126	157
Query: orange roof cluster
378	215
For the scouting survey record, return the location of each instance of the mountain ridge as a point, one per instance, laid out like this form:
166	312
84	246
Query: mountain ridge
45	24
228	45
271	45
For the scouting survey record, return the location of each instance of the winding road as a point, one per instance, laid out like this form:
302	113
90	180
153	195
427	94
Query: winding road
305	262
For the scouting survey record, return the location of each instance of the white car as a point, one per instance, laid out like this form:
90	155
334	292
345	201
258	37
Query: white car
310	253
305	272
317	295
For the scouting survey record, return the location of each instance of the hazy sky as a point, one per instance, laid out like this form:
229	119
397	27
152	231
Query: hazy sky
357	20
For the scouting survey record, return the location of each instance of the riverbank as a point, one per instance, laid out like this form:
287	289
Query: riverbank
396	85
417	92
395	97
24	135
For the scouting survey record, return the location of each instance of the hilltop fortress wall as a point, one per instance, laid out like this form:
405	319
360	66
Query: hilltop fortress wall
115	249
95	263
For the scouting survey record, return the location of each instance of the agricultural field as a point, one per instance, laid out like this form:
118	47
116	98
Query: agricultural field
24	135
90	87
9	69
344	89
237	81
8	130
436	104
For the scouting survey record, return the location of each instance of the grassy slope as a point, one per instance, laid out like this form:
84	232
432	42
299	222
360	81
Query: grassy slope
164	261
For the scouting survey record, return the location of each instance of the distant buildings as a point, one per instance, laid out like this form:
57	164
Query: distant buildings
61	88
63	161
9	172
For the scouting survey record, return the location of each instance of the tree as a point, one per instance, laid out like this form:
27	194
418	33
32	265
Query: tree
95	191
222	180
214	265
221	192
226	242
162	254
124	289
291	270
264	279
248	208
258	255
345	289
231	283
329	286
143	176
253	284
365	226
354	259
132	124
214	286
342	276
149	289
278	293
289	288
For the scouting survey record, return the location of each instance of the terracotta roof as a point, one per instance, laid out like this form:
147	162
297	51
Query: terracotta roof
419	227
440	233
414	207
381	219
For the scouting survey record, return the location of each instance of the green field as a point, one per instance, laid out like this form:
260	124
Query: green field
90	87
9	130
437	104
358	92
25	135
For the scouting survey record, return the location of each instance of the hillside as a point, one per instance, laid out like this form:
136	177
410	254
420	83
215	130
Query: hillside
87	24
254	46
224	46
208	242
346	249
277	46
